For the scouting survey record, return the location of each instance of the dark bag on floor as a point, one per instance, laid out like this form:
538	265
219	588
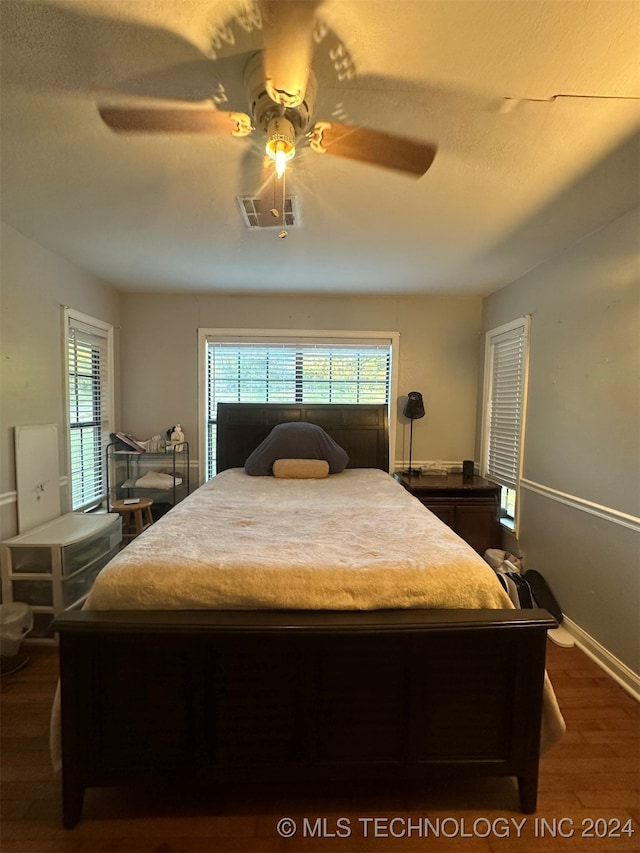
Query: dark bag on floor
542	594
525	595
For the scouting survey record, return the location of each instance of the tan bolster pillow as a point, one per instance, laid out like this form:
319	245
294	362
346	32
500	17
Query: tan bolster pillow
300	469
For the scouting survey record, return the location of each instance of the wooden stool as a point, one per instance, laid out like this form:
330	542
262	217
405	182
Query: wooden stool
135	517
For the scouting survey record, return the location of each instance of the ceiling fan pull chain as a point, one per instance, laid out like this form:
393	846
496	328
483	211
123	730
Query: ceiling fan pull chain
282	234
274	210
282	206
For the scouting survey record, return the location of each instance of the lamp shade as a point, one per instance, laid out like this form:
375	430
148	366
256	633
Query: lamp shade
414	407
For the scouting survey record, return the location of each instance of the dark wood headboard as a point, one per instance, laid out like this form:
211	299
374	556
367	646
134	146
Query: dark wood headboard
362	430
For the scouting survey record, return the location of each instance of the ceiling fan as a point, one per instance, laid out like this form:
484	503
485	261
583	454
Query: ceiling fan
281	90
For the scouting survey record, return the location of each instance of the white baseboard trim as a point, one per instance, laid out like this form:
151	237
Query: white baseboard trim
619	671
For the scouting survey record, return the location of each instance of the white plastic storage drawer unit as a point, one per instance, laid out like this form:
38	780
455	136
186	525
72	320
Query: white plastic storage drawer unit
53	567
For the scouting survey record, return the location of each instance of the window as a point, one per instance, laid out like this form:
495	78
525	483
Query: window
89	382
313	368
506	354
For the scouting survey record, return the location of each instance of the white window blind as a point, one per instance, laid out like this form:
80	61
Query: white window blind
504	404
88	364
333	371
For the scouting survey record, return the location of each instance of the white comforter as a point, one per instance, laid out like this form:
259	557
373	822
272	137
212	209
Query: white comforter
355	540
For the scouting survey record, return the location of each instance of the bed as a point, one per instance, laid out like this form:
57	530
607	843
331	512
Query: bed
291	631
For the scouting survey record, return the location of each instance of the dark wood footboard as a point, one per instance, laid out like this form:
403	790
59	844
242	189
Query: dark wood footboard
299	696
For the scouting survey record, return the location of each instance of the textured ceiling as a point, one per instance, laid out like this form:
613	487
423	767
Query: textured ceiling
519	174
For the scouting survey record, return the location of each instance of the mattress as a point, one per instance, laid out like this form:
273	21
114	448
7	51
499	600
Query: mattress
352	541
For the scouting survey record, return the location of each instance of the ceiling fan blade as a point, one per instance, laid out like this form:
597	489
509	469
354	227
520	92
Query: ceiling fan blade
287	29
183	119
198	81
373	146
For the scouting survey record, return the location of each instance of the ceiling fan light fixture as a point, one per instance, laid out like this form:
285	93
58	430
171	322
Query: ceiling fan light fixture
280	142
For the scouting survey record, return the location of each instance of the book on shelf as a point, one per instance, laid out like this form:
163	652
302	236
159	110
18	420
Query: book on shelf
130	442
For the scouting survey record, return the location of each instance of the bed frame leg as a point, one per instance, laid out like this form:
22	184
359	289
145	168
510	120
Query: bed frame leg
528	790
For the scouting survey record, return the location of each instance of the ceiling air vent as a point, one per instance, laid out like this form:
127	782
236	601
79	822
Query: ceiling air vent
255	217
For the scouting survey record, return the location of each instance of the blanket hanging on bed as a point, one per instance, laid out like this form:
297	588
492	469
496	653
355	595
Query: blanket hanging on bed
353	541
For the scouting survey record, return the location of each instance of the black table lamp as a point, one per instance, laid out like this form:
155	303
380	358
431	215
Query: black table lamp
414	409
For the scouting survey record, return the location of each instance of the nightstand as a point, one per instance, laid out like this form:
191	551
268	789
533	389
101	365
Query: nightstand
469	505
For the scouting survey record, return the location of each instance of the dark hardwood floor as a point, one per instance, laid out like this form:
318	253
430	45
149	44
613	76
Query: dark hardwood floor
589	799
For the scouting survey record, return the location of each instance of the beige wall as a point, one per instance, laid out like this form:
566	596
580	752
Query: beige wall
34	284
438	356
157	358
583	419
580	503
